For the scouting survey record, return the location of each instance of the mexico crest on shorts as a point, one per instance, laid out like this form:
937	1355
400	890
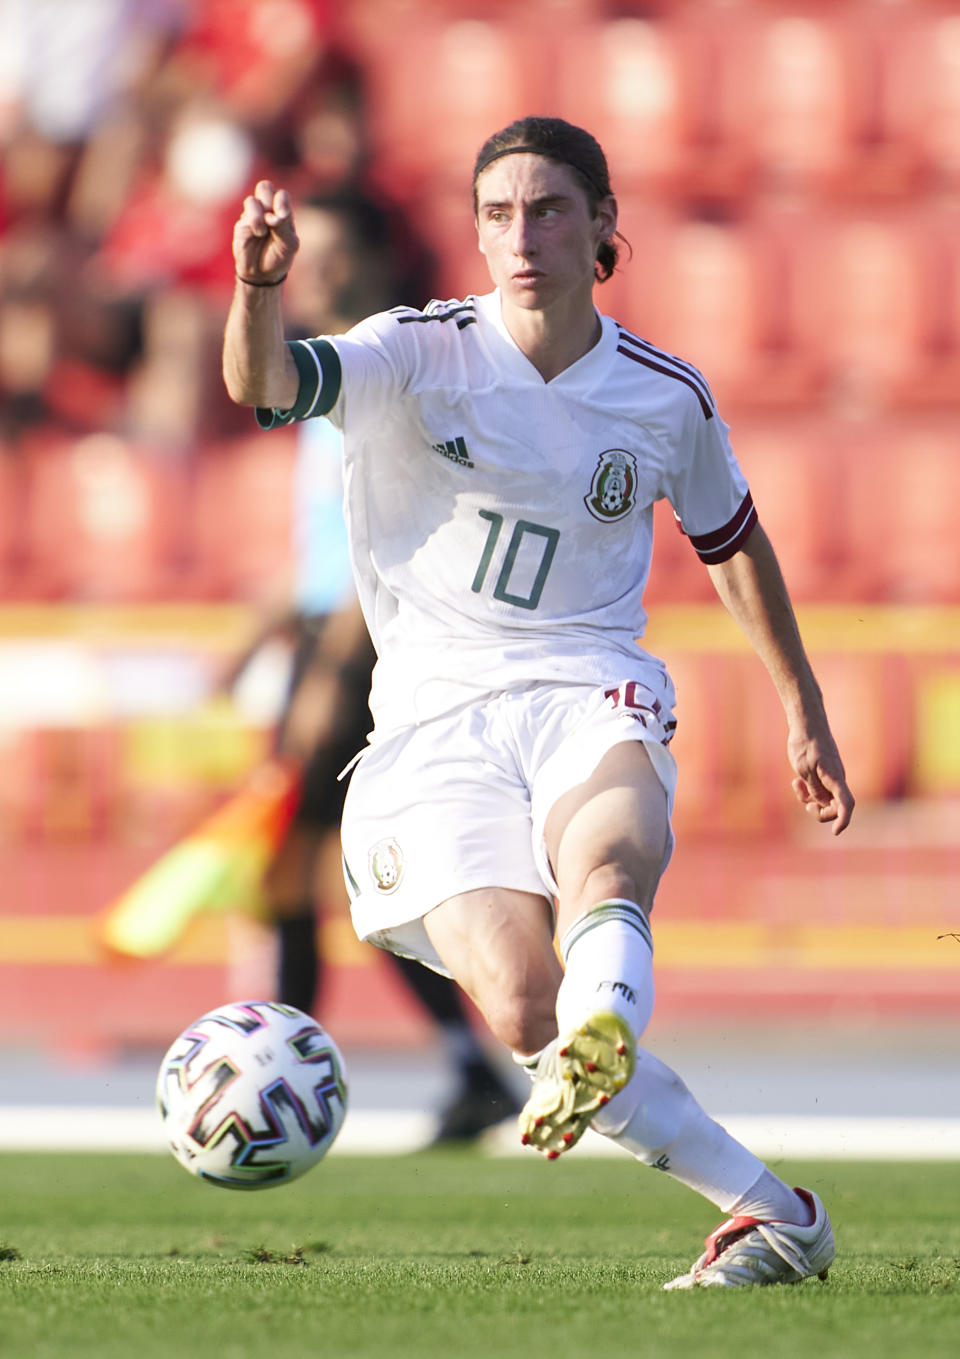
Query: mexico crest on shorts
385	862
613	490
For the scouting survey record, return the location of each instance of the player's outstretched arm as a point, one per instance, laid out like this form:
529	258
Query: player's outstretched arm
752	588
257	367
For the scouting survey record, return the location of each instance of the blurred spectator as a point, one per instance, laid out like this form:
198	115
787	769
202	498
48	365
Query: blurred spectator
128	128
64	66
176	218
251	57
64	347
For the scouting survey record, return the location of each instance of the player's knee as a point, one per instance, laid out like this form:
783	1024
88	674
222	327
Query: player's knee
525	1023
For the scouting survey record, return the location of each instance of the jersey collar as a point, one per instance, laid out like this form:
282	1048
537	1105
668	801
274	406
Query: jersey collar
579	377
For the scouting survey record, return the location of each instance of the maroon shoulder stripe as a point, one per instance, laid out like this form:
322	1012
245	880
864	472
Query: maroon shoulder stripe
722	543
669	372
671	359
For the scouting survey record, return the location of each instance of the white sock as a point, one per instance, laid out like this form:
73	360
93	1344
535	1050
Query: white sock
770	1200
658	1121
608	956
528	1064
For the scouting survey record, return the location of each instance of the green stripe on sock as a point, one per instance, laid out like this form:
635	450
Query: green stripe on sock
625	911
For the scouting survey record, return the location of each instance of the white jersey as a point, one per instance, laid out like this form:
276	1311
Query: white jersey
501	527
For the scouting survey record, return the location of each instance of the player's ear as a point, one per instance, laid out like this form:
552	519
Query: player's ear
606	217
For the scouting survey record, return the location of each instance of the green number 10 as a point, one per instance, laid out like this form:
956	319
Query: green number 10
551	537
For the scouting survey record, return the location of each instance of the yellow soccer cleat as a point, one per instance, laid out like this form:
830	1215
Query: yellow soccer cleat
576	1076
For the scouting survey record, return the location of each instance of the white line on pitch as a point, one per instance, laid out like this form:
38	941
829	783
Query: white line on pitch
372	1132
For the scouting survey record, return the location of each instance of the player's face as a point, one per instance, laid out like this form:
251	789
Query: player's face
537	232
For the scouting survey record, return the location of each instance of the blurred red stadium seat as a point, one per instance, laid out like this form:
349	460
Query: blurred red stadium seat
102	520
634	294
902	509
867	698
857	510
731	740
791	94
240	517
867	300
68	787
707	304
698	742
11	519
677	575
798	486
735	779
628	82
437	93
249	54
921	91
709	42
924	541
858	451
803	125
718	295
936	384
866	291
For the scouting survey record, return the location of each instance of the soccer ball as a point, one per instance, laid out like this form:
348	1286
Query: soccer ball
252	1095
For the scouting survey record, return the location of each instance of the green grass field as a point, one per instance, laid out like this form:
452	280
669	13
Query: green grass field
451	1254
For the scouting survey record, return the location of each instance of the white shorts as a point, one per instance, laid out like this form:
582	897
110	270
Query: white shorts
461	801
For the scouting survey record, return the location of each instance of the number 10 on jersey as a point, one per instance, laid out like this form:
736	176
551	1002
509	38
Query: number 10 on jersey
521	529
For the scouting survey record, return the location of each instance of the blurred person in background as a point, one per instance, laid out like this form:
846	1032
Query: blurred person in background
126	129
68	73
349	264
130	127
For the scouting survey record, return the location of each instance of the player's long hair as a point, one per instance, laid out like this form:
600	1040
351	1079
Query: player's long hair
568	145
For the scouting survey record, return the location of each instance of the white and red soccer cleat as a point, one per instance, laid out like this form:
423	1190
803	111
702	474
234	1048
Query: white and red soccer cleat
745	1250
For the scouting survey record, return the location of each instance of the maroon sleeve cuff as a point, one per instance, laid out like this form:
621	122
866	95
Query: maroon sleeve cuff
724	542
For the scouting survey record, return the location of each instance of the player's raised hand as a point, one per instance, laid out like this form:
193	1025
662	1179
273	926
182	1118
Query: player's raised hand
821	784
264	239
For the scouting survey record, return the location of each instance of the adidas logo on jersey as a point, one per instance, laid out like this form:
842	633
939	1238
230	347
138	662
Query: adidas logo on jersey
455	450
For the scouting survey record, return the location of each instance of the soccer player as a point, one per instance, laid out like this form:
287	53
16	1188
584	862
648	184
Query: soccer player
502	457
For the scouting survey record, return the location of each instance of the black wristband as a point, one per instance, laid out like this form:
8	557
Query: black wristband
254	283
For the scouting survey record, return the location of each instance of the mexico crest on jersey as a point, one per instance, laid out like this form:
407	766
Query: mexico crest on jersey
614	486
386	865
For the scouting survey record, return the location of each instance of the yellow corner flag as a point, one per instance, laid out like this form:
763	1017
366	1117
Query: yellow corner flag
215	868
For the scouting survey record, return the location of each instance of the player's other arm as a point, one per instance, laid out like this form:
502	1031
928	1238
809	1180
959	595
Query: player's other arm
257	366
752	589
